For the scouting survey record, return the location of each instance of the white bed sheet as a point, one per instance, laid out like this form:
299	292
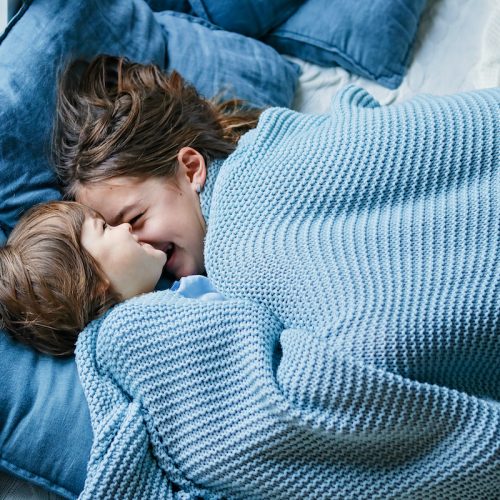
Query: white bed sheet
454	42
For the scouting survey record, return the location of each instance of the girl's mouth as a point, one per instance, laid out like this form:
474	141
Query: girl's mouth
170	252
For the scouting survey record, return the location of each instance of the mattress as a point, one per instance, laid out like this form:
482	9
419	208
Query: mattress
457	48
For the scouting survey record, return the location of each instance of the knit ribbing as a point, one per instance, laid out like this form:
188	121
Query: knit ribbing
375	231
379	223
365	365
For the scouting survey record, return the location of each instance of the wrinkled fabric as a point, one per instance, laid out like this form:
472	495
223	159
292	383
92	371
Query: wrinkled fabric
196	287
372	39
228	65
356	355
248	17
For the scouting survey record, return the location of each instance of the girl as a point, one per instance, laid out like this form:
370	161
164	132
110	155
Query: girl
370	233
120	111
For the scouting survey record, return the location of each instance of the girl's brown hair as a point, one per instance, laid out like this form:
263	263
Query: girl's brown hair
115	118
50	286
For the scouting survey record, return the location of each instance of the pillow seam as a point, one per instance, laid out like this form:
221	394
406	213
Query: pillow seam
18	15
317	43
41	481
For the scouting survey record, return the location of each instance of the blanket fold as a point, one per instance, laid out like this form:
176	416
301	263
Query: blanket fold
357	354
217	400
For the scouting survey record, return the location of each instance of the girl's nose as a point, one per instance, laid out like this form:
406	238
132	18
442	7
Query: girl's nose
137	233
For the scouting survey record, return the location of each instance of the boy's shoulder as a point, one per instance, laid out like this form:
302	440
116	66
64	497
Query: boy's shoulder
131	308
139	302
123	316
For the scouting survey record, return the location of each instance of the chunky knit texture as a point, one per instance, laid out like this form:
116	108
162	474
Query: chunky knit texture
366	364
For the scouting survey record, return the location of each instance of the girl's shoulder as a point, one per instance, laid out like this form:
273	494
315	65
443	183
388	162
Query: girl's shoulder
277	124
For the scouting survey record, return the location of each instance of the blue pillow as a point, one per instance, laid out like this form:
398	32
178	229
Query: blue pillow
372	39
45	432
222	63
249	17
43	36
177	5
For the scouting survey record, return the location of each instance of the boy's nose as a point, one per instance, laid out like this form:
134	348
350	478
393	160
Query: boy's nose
128	227
125	226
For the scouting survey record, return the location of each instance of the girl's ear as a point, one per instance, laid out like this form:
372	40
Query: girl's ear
104	286
192	164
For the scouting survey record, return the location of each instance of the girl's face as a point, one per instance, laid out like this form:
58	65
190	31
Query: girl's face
165	213
131	267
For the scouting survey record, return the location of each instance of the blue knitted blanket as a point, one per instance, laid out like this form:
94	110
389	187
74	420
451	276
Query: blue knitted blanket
358	353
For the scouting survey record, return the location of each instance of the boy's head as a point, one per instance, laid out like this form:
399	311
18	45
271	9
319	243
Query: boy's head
60	270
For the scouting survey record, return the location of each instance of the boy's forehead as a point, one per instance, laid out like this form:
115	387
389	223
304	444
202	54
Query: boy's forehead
91	213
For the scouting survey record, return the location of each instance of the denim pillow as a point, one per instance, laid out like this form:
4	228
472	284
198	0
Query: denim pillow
45	432
372	39
177	5
43	36
219	62
249	17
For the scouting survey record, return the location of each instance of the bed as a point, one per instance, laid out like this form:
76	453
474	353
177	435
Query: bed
455	48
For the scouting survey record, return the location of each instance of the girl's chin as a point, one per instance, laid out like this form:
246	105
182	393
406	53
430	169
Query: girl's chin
180	264
172	269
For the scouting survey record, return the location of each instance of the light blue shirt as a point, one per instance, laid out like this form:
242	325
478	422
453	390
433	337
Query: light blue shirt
197	287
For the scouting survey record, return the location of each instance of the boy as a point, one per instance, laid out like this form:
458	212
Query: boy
63	266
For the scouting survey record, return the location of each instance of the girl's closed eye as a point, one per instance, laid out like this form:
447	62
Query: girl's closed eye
136	219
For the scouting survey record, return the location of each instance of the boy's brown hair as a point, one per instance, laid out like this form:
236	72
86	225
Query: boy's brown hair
50	286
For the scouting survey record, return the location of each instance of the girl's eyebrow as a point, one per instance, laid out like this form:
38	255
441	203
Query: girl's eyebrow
121	214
